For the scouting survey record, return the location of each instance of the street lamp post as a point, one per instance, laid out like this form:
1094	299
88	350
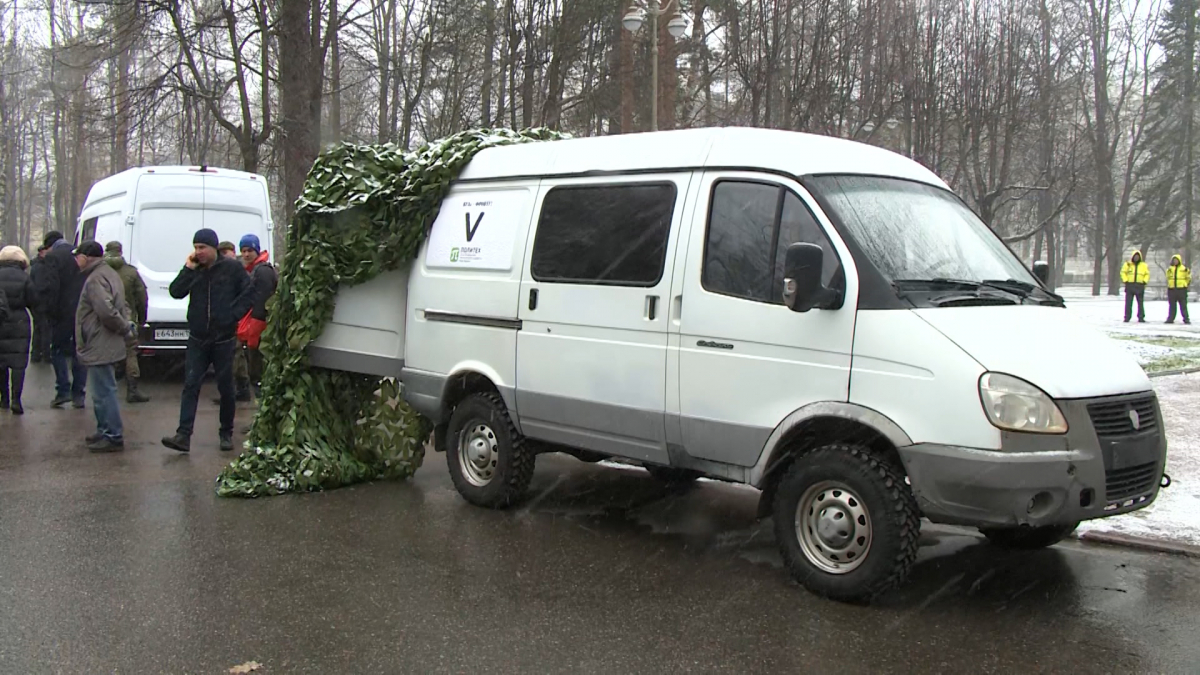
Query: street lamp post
676	27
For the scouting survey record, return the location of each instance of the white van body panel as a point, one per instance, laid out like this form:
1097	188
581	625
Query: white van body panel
733	395
462	304
592	359
909	372
1042	345
155	211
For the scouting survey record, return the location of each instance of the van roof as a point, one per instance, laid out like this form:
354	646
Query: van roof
788	152
123	182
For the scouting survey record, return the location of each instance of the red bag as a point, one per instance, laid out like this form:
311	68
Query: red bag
250	330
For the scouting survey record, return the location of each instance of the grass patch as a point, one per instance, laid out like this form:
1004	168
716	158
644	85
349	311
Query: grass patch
1173	362
1170	342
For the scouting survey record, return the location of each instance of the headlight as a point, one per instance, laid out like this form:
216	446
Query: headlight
1016	405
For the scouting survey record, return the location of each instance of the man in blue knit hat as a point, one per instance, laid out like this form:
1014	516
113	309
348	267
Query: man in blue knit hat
219	293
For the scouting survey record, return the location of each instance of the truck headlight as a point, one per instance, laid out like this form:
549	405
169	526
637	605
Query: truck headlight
1017	405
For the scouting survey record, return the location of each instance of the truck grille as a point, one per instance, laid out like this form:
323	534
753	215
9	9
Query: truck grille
1123	484
1116	418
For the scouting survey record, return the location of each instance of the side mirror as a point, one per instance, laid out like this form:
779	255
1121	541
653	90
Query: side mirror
802	287
1041	270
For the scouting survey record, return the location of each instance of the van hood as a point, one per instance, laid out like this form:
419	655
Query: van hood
1043	345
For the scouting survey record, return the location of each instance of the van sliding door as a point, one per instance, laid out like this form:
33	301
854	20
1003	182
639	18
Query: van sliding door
591	353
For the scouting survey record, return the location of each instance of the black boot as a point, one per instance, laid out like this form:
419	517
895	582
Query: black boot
132	395
178	442
18	388
4	400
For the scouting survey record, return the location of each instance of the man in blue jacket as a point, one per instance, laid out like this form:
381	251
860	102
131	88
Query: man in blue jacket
220	294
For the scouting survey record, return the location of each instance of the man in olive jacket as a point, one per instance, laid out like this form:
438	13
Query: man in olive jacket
102	326
136	299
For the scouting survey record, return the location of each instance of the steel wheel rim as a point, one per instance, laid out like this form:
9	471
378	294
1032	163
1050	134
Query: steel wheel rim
833	527
478	453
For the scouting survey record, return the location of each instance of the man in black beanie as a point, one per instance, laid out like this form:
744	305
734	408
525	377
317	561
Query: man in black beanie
220	294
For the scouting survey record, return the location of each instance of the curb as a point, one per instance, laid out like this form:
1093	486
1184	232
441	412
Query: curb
1168	373
1141	543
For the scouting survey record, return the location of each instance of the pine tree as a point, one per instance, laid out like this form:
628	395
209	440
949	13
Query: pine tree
1168	201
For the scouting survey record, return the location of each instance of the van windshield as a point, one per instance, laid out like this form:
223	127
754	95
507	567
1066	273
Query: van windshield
918	233
163	236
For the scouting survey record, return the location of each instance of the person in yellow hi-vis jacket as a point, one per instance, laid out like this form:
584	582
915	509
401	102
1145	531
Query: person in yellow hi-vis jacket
1135	273
1178	280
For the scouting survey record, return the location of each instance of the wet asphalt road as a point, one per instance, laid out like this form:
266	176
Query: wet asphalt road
129	563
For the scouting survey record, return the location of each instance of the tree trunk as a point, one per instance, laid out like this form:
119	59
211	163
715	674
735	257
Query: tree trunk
625	73
296	60
489	56
335	77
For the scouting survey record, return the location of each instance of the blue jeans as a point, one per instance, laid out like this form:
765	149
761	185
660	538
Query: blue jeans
70	376
104	402
200	354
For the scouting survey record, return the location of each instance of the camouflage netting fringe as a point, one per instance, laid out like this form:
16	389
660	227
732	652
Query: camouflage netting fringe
365	210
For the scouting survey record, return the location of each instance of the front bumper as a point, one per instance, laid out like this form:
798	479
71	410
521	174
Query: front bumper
1040	480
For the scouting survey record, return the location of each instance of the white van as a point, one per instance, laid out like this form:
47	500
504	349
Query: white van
817	318
154	212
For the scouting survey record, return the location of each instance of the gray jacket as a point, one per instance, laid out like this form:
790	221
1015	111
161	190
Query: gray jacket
102	320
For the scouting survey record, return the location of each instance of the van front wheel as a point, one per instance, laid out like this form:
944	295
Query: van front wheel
490	463
846	523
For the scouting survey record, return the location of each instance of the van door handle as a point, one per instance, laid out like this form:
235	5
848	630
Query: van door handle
677	309
651	307
533	299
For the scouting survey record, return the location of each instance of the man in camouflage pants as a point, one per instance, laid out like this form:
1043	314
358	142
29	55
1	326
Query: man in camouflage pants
136	300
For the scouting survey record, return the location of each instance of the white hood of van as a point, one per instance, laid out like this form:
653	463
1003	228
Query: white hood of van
1043	345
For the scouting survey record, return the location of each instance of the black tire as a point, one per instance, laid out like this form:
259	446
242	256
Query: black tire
880	512
510	461
1028	538
673	476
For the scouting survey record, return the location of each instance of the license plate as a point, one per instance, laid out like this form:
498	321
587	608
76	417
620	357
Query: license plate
170	334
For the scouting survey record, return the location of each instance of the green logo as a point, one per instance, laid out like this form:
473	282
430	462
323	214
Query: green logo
454	254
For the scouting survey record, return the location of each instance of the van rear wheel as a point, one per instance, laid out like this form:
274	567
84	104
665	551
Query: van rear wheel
1028	538
490	463
846	523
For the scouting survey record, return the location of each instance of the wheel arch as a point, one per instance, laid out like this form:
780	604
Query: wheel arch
814	426
465	380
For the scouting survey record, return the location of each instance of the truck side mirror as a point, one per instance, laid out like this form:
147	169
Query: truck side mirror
802	287
1041	270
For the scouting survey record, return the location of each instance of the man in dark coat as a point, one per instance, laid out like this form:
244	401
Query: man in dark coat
40	350
59	293
219	293
16	290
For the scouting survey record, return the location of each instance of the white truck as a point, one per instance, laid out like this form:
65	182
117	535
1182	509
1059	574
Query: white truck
818	318
154	212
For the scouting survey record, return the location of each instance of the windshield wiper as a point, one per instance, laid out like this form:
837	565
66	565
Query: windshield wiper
1026	290
963	292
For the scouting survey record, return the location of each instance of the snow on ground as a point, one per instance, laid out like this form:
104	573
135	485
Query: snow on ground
1157	345
1175	515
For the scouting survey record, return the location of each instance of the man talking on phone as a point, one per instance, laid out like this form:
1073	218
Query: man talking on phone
219	294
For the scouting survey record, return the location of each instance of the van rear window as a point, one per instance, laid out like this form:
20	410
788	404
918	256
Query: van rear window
162	237
604	234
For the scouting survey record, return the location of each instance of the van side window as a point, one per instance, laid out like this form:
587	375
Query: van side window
604	234
750	226
88	231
